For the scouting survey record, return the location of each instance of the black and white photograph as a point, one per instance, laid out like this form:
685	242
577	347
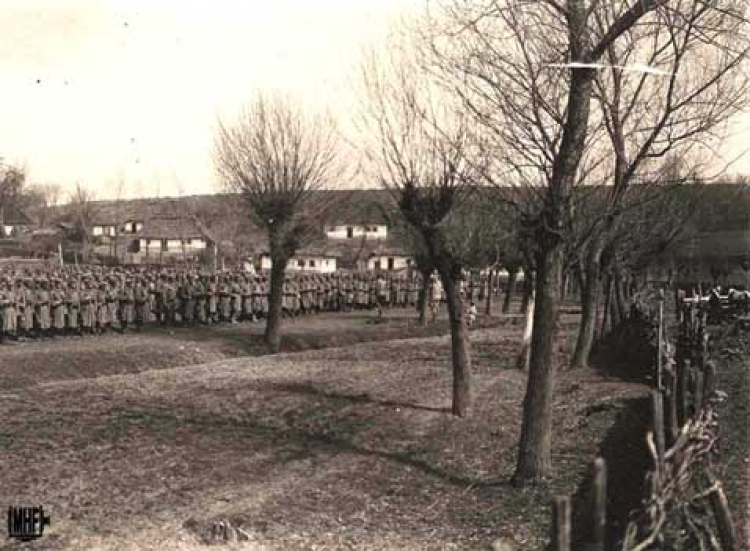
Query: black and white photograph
286	275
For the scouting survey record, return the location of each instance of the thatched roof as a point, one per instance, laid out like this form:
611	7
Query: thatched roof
174	227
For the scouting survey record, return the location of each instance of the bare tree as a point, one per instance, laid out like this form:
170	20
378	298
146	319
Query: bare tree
527	73
418	151
12	182
695	82
39	200
276	157
83	210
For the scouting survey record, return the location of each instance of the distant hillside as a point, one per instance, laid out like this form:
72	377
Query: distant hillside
719	225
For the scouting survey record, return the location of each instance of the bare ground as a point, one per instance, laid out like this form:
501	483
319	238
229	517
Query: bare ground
341	448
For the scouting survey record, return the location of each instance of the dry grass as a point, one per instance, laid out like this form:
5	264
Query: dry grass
340	448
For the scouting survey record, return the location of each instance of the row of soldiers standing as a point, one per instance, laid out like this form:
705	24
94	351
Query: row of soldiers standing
38	305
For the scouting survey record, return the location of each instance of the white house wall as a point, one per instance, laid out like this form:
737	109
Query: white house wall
322	265
341	232
399	262
174	246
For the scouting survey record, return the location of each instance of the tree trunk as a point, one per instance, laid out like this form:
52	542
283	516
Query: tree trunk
590	283
590	292
488	297
422	304
622	301
460	350
272	334
535	446
615	302
607	308
510	291
528	288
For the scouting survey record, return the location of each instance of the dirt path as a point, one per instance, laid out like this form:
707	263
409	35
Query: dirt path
32	362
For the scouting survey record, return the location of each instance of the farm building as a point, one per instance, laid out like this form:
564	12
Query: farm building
311	259
390	258
175	237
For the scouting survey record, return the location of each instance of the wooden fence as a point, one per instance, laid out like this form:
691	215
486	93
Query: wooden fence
684	505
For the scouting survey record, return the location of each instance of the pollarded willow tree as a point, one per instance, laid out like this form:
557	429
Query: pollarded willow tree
528	73
417	147
277	158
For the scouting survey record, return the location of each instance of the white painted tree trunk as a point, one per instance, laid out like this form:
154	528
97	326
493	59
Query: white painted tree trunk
524	355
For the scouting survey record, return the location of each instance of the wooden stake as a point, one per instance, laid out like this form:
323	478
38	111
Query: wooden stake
660	342
698	395
657	402
600	505
683	395
673	421
709	382
561	524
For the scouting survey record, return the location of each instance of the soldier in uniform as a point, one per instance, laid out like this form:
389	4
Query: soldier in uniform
212	299
256	297
142	298
73	303
349	293
225	300
102	310
88	308
236	291
247	298
170	300
126	298
59	308
157	293
201	300
24	311
43	309
187	300
381	286
8	306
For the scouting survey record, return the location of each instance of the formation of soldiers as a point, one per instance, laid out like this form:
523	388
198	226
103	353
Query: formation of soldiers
36	304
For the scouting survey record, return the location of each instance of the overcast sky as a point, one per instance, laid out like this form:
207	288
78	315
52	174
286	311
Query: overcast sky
98	91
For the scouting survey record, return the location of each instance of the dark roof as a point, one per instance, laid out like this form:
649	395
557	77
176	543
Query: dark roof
174	227
388	250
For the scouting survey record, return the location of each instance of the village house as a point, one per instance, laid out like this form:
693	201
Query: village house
310	259
389	259
357	231
169	238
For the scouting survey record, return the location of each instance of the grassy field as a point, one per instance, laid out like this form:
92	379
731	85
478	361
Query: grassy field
144	441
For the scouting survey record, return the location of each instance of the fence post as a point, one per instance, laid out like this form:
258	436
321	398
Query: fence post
660	341
600	505
709	382
698	396
682	391
561	524
657	402
674	423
